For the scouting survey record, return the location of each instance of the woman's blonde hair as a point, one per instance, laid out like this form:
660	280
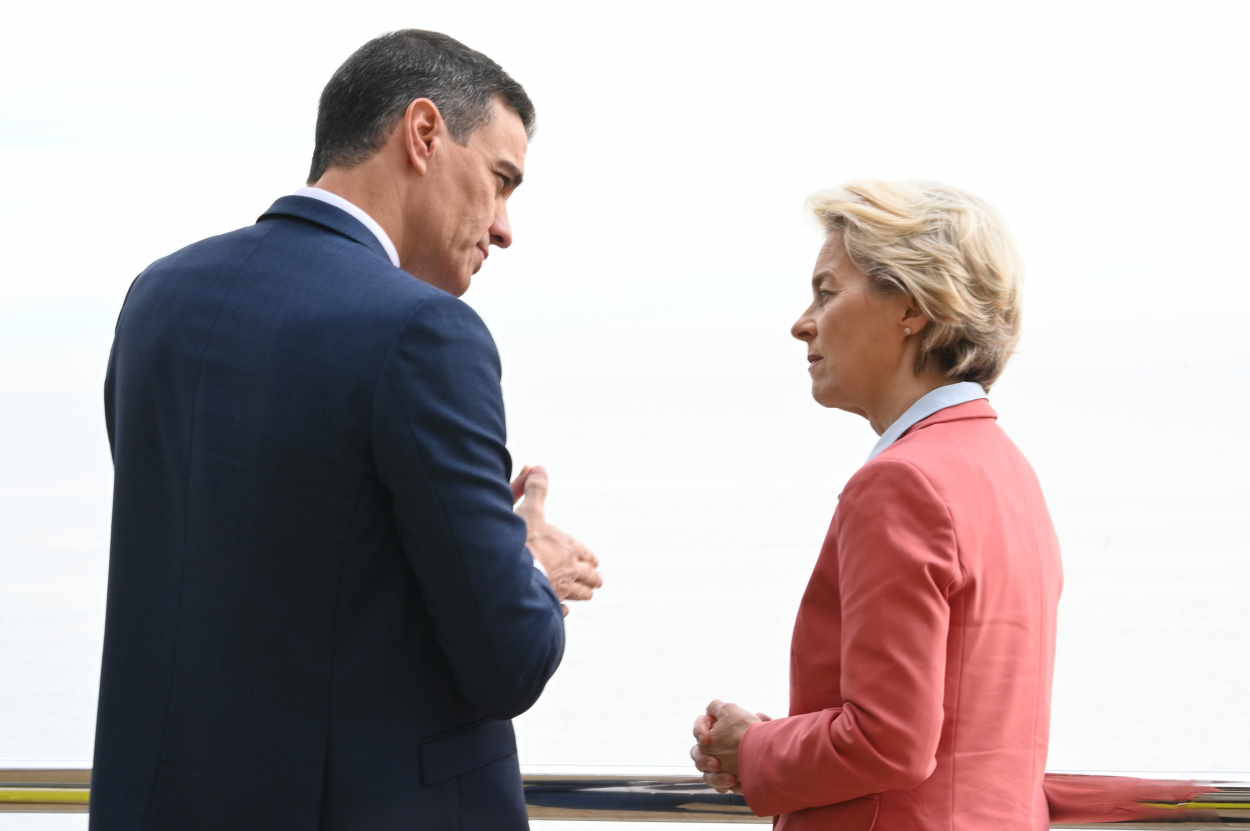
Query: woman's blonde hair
947	250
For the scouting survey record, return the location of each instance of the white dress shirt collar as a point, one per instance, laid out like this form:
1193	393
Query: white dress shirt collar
925	406
323	195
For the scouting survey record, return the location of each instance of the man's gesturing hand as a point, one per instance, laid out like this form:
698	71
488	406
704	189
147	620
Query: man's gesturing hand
719	733
572	568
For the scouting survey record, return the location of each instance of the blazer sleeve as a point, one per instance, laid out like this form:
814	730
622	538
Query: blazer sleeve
110	412
439	446
897	565
110	377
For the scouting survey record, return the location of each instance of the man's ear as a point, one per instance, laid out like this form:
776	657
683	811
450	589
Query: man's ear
423	130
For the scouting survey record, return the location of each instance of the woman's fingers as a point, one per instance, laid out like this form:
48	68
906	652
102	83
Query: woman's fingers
722	782
704	762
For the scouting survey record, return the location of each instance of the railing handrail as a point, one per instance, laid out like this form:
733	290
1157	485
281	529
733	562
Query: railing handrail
1091	800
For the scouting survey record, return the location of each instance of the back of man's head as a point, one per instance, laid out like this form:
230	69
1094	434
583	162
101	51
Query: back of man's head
371	90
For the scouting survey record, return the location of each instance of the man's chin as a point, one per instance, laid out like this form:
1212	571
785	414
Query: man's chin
455	285
460	285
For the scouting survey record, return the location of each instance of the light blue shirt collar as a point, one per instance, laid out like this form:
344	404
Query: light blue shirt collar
925	406
356	213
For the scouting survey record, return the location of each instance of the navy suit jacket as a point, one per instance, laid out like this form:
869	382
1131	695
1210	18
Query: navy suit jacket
321	611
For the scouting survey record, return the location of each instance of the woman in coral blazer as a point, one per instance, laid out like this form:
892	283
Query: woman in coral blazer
923	649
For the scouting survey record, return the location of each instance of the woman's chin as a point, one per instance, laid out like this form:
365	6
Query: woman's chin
833	402
826	397
826	401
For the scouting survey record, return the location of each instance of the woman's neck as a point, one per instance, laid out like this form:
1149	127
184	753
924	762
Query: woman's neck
901	395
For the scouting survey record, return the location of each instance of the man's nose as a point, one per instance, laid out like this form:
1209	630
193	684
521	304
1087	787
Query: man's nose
501	229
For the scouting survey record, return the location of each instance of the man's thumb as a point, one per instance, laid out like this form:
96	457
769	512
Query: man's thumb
518	484
536	489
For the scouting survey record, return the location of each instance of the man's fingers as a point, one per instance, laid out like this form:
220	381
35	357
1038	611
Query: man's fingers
535	490
588	575
564	610
585	555
576	591
518	484
702	726
577	582
570	589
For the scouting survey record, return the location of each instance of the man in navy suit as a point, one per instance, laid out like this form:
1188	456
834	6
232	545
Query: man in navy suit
322	606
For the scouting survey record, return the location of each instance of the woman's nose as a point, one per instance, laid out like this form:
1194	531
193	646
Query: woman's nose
803	329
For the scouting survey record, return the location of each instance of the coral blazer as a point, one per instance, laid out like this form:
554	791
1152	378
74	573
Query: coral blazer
923	650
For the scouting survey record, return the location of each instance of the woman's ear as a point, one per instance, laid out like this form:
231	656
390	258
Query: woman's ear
912	321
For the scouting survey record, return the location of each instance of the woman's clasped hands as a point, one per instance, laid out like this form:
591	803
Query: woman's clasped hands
718	735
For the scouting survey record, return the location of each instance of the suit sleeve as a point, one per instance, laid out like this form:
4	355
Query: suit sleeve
439	447
110	377
110	383
897	566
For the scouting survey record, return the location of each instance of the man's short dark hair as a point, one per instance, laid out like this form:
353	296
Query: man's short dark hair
372	89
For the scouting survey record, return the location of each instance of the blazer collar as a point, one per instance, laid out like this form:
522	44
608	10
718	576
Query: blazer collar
980	408
328	217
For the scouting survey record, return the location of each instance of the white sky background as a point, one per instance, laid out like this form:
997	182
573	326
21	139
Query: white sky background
662	252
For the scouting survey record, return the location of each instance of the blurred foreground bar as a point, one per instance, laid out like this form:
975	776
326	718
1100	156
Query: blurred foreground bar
1076	800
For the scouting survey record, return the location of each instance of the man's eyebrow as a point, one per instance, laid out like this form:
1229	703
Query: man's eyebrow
820	277
512	171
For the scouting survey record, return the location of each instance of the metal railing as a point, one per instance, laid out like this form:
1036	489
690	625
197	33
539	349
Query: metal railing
1077	801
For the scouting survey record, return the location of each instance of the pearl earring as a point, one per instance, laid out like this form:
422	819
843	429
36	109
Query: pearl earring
906	330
